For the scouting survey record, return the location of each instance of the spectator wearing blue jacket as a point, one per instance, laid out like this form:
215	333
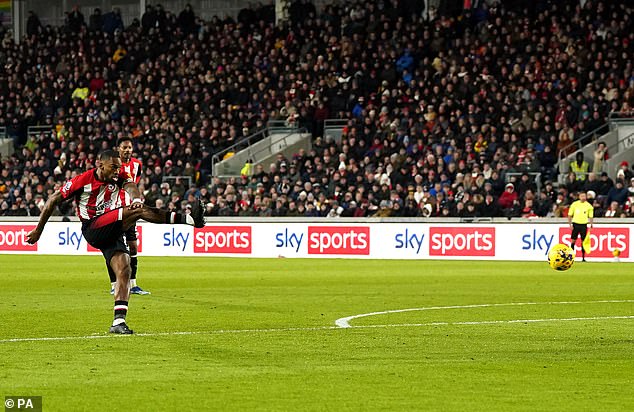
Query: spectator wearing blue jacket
618	193
405	62
112	21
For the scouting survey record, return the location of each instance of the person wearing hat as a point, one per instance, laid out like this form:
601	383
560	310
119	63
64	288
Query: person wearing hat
580	167
624	172
605	185
508	198
618	193
580	215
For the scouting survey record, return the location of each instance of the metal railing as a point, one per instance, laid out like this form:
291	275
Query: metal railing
269	150
621	120
282	126
239	145
626	144
627	141
338	123
256	152
614	120
172	179
334	128
575	143
36	130
621	116
537	178
273	126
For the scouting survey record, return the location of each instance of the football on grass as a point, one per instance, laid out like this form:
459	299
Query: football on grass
561	257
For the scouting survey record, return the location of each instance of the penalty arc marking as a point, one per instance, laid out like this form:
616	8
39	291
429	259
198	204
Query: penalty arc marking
306	329
345	322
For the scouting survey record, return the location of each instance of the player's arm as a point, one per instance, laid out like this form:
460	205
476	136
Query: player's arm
52	202
129	185
135	194
571	211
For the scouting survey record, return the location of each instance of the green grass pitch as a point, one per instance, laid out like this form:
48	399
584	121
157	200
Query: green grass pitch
258	334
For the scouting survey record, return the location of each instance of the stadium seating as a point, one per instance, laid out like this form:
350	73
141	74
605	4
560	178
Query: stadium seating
451	112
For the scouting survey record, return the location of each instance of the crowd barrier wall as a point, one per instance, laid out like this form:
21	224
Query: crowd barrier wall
325	238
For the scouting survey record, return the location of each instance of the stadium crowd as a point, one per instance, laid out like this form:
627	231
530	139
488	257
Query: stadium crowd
451	111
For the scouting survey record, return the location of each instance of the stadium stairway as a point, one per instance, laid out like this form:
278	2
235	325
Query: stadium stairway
619	140
263	152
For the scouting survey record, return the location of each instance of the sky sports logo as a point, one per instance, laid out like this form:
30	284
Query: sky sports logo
13	238
603	241
462	241
176	238
223	239
338	240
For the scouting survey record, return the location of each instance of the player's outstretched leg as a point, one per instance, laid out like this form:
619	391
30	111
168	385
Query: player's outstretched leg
120	263
154	215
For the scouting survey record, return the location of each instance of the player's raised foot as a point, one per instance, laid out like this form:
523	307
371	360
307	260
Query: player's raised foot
197	213
138	291
121	329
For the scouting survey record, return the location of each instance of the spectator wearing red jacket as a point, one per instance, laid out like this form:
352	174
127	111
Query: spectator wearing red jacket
508	197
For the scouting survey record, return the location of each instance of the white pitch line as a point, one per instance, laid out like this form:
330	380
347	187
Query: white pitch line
316	328
345	322
211	332
488	322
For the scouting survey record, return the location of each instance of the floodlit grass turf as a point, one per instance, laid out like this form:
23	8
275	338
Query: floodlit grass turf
574	365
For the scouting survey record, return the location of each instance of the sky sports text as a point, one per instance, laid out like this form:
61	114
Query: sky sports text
223	239
14	238
68	237
338	240
176	238
603	241
330	240
327	240
461	241
535	240
74	239
409	240
342	241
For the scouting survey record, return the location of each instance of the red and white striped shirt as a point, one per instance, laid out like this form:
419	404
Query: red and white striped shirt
94	197
133	169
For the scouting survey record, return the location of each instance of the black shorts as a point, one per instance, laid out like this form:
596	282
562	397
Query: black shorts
131	235
578	229
105	233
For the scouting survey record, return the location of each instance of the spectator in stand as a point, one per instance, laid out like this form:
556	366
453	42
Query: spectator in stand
572	183
441	95
75	20
95	20
618	193
614	210
580	167
600	156
508	199
33	24
592	183
624	173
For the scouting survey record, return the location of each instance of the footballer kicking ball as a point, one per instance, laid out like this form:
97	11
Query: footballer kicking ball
561	257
